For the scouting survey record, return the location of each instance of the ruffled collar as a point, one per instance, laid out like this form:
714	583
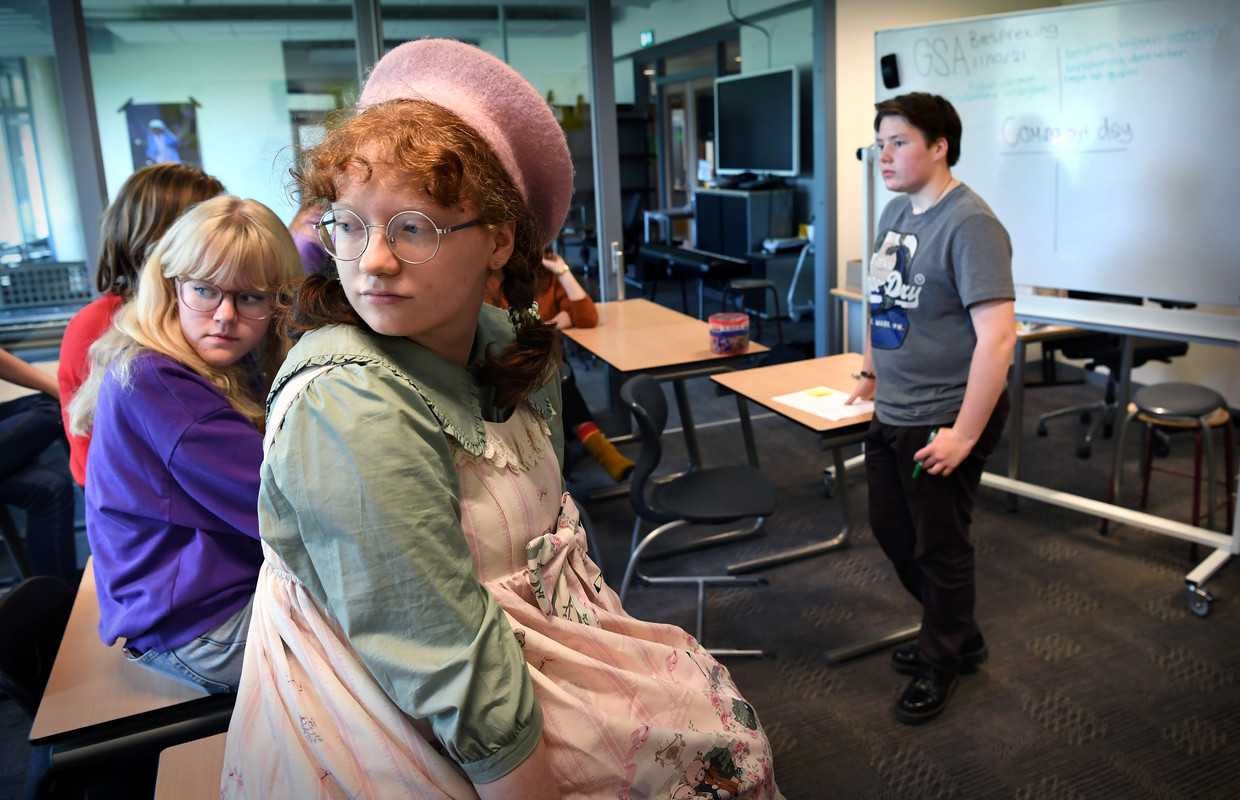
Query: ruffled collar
450	391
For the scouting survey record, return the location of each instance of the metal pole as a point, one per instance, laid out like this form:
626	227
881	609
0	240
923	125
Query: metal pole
369	22
609	227
825	182
77	98
868	155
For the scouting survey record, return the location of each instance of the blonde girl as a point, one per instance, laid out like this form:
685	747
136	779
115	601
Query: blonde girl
174	405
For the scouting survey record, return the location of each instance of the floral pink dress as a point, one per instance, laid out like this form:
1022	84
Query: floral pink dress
631	709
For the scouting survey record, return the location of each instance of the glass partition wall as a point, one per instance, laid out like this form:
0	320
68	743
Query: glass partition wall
234	88
37	195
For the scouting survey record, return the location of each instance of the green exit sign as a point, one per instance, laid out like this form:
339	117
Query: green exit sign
646	38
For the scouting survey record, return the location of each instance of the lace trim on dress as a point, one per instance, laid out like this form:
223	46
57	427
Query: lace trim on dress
518	444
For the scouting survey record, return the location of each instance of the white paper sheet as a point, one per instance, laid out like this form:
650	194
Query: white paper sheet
823	402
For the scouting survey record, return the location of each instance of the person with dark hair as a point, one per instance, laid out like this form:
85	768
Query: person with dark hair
174	399
428	622
563	302
941	336
306	236
148	202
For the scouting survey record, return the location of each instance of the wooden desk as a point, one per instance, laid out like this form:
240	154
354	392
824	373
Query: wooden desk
97	704
641	336
191	771
762	385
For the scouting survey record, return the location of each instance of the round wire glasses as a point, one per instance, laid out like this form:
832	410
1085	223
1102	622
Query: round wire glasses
410	235
206	297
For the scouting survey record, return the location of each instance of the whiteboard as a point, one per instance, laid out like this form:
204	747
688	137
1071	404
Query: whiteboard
1106	137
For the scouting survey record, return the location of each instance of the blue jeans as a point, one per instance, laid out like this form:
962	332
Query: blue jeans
211	662
27	426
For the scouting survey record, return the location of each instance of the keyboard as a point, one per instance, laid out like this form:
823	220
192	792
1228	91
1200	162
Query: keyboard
34	284
32	332
38	298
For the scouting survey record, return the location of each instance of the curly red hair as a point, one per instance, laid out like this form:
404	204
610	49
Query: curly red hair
455	166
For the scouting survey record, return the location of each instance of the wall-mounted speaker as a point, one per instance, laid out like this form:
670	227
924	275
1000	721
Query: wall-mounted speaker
891	72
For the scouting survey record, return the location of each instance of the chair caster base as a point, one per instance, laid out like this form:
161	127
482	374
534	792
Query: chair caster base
1199	600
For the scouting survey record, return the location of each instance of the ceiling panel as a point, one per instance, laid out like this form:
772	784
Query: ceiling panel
25	27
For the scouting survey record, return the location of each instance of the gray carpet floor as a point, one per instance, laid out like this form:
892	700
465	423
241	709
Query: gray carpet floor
1101	683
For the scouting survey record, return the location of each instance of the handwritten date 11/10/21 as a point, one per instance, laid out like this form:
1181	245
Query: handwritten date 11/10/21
942	57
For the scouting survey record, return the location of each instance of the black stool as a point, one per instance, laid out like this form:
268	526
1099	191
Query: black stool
746	285
1179	406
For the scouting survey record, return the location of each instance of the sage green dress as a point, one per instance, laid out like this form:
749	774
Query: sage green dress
427	609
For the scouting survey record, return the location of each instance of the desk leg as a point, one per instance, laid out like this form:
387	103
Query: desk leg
834	543
837	330
1016	424
686	423
623	418
1125	374
751	449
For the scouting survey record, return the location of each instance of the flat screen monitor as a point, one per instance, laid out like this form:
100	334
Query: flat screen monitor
757	123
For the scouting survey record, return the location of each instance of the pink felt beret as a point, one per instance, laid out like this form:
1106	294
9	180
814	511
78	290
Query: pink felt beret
498	103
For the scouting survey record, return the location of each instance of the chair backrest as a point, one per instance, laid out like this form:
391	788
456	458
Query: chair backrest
633	213
645	399
32	621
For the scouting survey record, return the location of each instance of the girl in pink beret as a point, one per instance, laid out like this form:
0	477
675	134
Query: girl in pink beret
428	622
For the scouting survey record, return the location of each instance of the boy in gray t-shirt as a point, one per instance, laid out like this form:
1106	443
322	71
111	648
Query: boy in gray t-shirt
941	336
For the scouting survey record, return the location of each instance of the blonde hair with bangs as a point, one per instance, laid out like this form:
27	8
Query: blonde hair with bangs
226	241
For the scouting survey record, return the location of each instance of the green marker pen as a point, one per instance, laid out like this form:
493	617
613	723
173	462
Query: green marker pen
922	464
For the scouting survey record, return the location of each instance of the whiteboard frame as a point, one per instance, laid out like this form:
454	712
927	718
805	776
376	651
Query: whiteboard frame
1197	325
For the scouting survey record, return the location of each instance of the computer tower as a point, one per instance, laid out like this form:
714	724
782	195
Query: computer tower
734	222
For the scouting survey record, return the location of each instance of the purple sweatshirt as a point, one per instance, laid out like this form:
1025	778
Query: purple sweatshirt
171	506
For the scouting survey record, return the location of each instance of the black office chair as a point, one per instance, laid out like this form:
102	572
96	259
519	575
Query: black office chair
719	495
1106	350
33	616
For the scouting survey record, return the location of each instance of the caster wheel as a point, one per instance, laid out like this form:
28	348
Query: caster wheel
1082	451
1086	417
1042	429
1199	601
1107	431
1161	448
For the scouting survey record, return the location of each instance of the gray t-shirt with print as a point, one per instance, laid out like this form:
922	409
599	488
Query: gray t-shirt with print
926	270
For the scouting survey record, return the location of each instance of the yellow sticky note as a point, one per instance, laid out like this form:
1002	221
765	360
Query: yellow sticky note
819	391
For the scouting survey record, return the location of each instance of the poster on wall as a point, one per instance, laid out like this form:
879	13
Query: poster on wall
161	132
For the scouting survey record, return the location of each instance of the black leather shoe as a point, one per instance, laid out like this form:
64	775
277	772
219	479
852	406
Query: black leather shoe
926	696
906	659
